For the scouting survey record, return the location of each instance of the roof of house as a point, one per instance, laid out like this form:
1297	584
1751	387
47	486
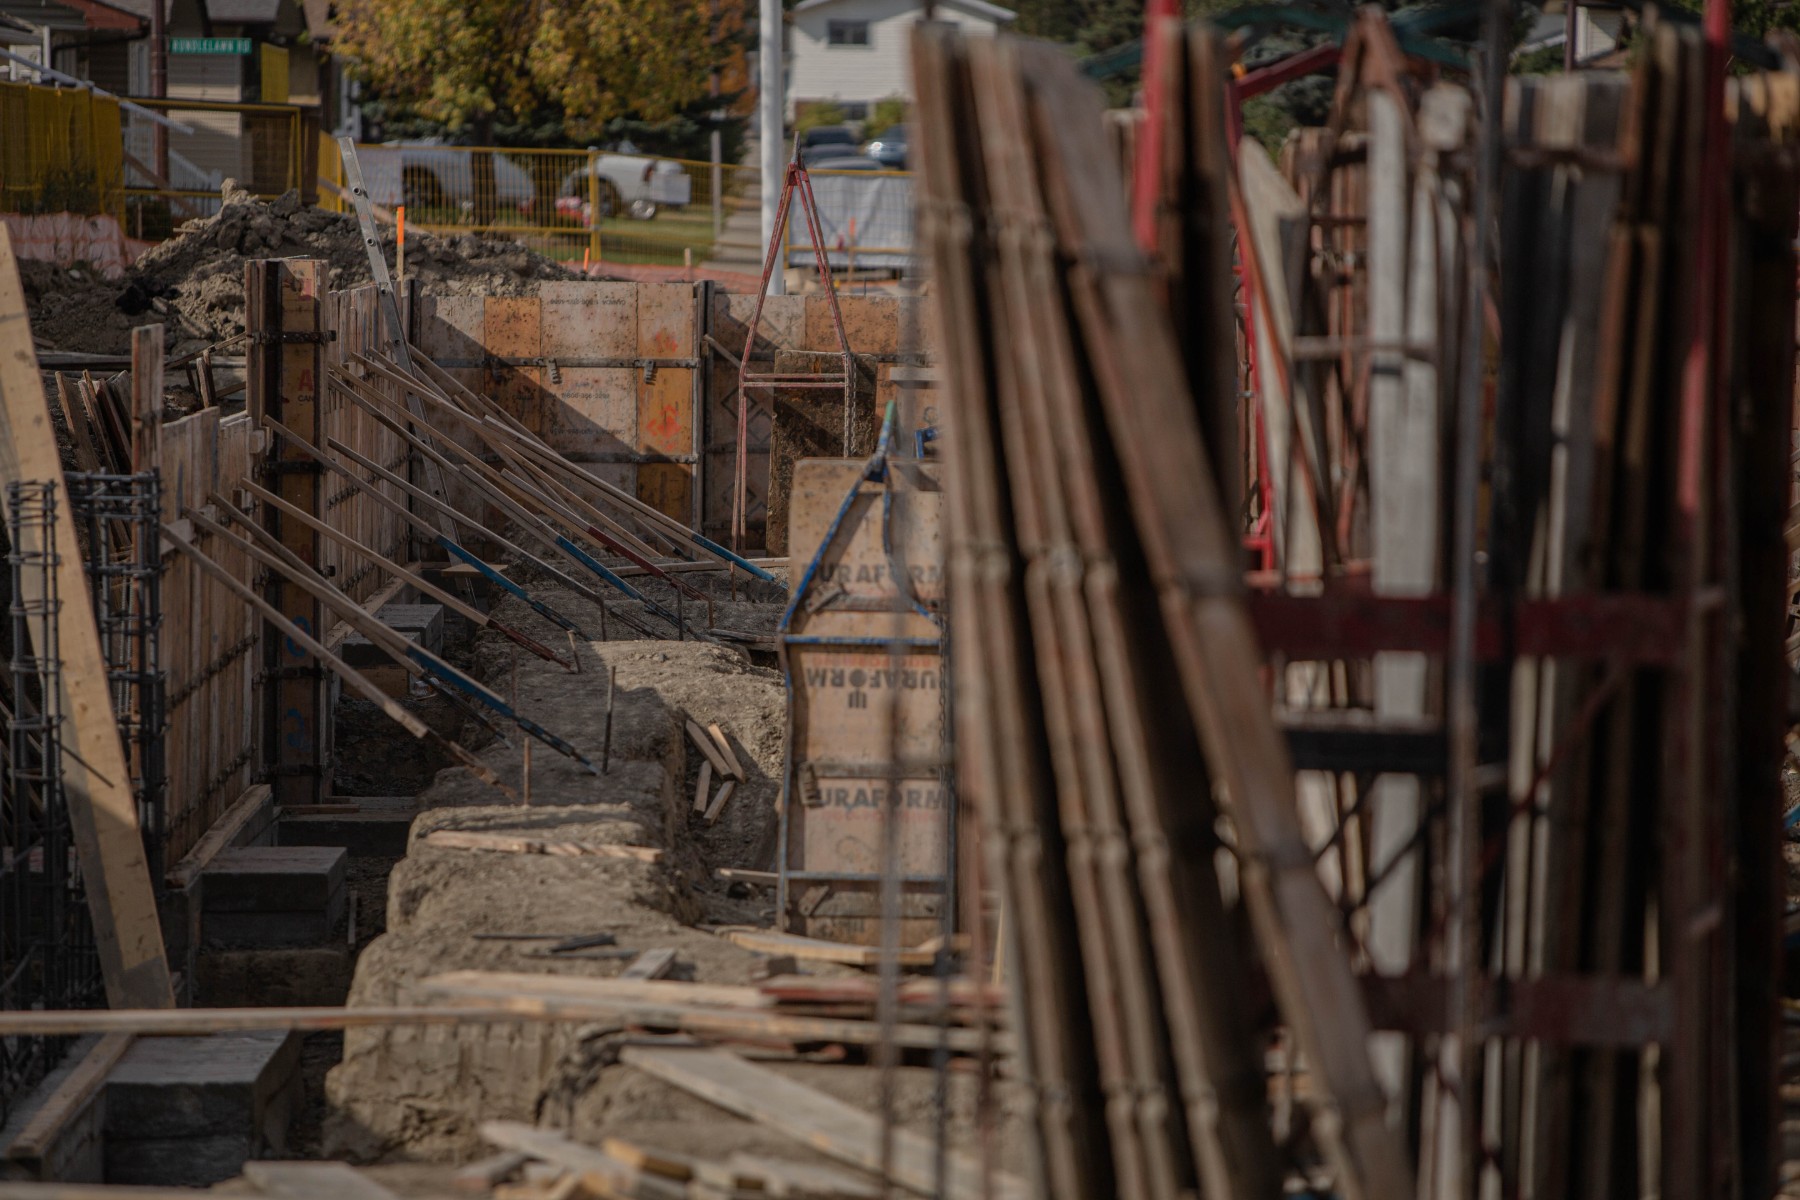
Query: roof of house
226	12
318	18
101	15
243	12
979	7
44	14
142	8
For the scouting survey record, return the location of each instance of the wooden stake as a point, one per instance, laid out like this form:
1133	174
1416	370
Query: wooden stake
703	788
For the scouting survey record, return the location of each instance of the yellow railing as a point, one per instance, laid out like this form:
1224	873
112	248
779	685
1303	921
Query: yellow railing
60	151
592	206
267	149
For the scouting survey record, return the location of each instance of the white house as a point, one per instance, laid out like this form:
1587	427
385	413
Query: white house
855	52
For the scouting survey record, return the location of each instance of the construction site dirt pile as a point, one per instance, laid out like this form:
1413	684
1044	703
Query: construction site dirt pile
75	309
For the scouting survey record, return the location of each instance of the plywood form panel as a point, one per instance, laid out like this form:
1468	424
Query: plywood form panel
512	327
871	323
451	327
665	418
588	319
667	487
592	414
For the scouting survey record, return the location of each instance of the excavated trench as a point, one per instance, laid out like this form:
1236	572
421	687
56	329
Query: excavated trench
417	1095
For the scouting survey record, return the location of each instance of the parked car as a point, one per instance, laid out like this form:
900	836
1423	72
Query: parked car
433	175
632	184
826	140
890	148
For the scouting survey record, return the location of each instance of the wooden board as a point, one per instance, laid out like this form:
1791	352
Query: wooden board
598	1170
862	719
314	1181
66	1103
827	1125
96	776
253	806
814	950
1178	514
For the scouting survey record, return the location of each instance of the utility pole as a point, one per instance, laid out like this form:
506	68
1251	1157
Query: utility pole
159	84
718	115
772	102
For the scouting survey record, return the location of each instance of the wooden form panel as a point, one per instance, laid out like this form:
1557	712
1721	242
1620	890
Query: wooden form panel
867	707
284	302
352	315
208	639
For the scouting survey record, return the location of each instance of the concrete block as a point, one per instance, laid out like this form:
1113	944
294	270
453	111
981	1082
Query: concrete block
178	1162
424	620
393	679
359	652
291	977
188	1112
284	879
369	834
273	931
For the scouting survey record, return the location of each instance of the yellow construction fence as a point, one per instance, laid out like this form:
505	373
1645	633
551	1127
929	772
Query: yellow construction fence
171	176
60	151
593	205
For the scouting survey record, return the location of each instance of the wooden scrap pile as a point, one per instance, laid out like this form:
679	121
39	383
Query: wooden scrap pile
1526	891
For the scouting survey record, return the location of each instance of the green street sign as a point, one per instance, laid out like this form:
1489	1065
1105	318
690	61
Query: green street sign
209	45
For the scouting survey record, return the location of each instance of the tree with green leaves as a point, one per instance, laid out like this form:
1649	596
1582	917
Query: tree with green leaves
472	64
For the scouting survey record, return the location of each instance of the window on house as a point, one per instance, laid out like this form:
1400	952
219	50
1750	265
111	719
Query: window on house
847	33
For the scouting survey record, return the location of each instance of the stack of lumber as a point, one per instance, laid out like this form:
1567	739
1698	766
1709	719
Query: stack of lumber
1522	381
1082	496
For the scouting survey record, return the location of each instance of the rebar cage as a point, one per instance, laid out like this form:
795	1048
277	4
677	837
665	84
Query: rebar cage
117	518
47	953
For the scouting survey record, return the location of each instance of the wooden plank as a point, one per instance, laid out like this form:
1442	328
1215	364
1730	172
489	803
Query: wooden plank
1186	536
553	997
1001	772
457	839
597	1169
314	1181
746	875
783	1177
66	1103
704	744
827	1125
703	786
653	1162
96	775
357	681
1151	1155
651	964
285	377
767	941
256	800
622	990
93	1191
486	1173
75	420
374	604
732	766
718	802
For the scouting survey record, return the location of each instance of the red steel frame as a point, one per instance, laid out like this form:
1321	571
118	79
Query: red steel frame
796	181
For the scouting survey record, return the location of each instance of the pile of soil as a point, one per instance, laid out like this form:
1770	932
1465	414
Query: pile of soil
194	282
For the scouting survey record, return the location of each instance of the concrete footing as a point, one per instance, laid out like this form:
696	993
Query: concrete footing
189	1112
262	897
